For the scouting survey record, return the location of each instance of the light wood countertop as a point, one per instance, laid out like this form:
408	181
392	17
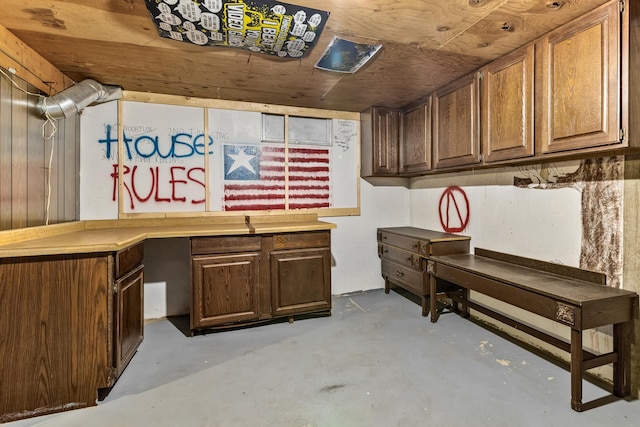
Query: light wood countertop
115	235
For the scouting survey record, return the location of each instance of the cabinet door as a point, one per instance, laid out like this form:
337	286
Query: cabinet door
580	82
128	317
456	133
224	289
507	107
54	323
380	137
300	281
415	140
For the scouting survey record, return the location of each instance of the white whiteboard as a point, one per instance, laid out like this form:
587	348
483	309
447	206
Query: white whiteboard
164	166
99	162
163	158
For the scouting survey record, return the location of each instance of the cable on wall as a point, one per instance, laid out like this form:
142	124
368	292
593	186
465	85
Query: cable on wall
49	137
49	130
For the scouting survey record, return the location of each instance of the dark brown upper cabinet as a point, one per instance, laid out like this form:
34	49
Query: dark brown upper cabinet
579	103
415	140
508	107
456	130
380	133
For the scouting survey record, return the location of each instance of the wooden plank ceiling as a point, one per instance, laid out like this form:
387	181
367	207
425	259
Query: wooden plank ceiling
426	44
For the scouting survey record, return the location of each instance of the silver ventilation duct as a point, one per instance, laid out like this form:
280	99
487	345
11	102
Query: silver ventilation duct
76	98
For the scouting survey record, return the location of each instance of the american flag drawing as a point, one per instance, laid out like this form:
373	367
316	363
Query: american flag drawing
255	177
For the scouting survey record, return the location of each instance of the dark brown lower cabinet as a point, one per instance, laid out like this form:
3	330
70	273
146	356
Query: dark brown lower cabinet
225	289
242	279
300	281
69	324
129	317
404	252
128	306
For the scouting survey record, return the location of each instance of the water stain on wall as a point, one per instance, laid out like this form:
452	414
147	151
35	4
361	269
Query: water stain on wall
600	182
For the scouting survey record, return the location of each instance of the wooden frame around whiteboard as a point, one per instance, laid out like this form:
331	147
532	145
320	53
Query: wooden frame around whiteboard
206	104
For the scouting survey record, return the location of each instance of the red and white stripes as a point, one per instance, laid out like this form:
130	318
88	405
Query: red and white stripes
308	181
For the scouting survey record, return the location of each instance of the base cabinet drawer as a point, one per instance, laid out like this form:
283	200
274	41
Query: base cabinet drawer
225	244
400	256
404	276
403	242
129	258
312	239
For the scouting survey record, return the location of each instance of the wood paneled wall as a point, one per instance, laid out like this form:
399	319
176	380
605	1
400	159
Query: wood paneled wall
24	162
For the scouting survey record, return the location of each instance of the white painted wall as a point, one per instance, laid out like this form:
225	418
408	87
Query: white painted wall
538	222
541	224
353	243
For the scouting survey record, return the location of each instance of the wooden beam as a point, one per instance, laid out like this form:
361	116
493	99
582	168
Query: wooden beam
159	98
29	65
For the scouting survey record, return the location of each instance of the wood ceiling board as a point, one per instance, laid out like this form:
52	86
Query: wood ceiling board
203	73
115	42
402	21
516	24
408	73
82	21
213	66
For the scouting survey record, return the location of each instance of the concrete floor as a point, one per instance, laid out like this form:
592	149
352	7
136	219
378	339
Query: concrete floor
374	362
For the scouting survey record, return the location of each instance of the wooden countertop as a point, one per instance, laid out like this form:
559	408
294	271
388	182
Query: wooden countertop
115	235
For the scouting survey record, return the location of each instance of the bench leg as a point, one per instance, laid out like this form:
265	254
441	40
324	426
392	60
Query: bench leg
387	286
622	367
464	306
576	368
425	305
432	299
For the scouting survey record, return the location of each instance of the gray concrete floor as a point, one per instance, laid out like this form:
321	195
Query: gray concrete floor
375	362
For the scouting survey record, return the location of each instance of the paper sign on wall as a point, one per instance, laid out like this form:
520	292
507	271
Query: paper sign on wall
261	26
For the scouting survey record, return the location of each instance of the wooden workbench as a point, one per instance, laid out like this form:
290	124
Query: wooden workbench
570	296
114	235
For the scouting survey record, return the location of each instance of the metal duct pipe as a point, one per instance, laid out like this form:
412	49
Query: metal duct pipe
76	98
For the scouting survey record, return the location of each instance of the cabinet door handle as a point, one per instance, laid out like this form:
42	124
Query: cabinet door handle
399	273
